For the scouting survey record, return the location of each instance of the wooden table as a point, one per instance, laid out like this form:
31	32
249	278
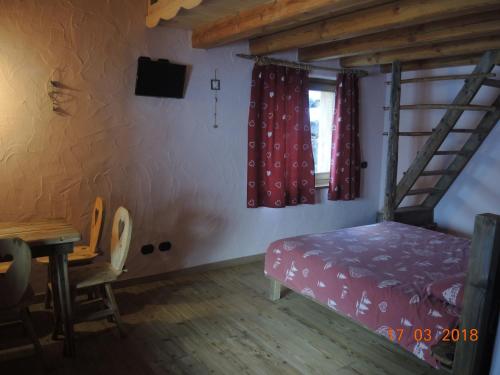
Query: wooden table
53	238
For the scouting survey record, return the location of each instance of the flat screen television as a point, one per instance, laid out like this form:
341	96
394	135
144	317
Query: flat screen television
160	78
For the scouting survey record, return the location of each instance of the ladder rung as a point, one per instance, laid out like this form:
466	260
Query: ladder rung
471	131
410	134
463	153
414	134
438	173
468	107
424	134
446	78
423	191
412	209
492	82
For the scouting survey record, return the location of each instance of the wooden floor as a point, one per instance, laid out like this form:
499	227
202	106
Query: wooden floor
217	322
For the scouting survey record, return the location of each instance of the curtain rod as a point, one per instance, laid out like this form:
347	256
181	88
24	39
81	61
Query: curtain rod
298	65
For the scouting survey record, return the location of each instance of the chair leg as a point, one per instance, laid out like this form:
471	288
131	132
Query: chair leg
73	294
48	298
30	330
116	313
55	301
101	289
106	304
92	294
48	291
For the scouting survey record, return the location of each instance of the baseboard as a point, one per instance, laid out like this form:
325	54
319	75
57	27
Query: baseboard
39	298
186	271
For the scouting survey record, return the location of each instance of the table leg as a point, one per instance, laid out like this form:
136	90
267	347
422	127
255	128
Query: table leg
61	269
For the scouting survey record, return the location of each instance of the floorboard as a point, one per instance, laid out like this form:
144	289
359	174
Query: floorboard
216	322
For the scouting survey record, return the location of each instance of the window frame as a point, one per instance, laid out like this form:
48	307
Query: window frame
322	180
321	84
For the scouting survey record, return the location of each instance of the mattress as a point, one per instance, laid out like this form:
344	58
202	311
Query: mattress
379	275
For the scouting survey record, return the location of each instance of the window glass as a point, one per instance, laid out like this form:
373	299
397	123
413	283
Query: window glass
321	107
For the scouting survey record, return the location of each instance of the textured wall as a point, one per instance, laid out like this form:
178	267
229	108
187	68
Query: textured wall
183	180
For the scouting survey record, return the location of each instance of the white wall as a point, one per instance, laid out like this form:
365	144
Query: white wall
183	180
476	190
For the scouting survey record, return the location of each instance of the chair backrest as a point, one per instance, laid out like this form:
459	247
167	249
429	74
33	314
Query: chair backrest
121	235
15	281
96	224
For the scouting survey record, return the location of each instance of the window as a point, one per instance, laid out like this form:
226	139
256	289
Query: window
321	107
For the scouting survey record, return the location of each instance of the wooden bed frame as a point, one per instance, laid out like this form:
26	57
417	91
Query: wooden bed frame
480	307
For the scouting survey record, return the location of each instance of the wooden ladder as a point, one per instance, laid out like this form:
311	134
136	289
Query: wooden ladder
423	214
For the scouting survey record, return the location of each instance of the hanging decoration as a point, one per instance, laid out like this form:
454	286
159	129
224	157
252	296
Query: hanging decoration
215	87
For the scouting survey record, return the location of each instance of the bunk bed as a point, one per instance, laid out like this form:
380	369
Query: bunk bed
410	284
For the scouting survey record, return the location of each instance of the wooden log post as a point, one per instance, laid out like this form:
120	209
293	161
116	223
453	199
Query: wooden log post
394	15
430	51
271	17
461	28
443	62
480	304
393	143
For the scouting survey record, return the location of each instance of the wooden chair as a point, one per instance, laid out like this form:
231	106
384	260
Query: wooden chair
16	293
101	275
83	254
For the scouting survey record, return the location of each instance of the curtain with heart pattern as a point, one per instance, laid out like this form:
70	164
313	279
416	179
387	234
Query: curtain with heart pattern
280	156
345	173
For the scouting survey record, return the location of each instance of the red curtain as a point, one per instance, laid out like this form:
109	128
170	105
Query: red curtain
345	165
280	158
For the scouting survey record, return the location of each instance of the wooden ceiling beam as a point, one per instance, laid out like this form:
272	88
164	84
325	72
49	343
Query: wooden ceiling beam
456	48
465	27
389	16
272	17
436	63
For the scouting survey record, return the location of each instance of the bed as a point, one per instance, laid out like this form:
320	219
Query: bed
403	282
